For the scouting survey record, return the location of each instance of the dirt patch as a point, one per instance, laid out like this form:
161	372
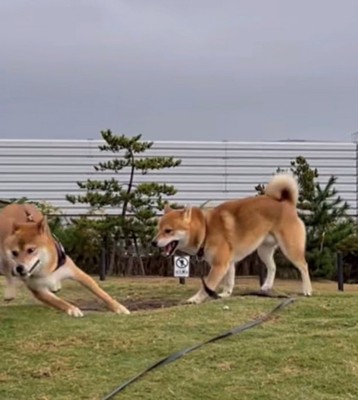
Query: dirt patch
150	304
132	305
154	304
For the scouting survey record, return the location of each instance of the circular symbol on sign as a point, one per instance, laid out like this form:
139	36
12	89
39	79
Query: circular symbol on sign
181	262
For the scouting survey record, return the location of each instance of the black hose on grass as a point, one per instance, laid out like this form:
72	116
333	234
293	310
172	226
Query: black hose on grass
175	356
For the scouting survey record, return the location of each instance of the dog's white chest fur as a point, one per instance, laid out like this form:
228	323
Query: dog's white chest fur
51	282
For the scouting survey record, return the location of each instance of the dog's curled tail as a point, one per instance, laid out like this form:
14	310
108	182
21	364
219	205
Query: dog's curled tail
283	187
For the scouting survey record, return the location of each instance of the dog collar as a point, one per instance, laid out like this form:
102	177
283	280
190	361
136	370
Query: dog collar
61	257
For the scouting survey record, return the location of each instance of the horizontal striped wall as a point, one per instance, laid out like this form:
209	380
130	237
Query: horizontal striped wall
216	171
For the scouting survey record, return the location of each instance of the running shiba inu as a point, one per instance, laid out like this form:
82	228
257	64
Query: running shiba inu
231	231
29	251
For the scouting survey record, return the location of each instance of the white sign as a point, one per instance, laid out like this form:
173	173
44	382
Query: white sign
181	266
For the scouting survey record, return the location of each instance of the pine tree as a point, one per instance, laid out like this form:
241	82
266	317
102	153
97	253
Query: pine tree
327	224
137	203
306	180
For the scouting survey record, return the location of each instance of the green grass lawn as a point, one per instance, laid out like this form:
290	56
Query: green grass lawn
309	351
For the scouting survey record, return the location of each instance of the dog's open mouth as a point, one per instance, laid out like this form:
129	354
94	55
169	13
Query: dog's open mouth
170	248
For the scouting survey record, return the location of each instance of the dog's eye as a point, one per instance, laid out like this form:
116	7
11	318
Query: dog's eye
30	250
168	231
15	253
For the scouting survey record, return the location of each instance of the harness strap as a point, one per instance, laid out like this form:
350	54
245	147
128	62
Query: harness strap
61	254
200	254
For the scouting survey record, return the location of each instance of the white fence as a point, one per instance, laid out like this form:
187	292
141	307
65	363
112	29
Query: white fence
48	170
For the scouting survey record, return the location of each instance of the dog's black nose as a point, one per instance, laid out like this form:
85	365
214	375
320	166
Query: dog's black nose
20	269
154	243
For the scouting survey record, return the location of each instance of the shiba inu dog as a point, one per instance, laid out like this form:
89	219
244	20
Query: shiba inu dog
28	251
231	231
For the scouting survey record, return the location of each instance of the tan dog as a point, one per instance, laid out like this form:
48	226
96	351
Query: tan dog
233	230
29	251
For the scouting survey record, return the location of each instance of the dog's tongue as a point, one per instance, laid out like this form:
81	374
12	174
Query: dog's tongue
169	248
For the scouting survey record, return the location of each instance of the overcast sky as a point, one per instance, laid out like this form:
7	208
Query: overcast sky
179	69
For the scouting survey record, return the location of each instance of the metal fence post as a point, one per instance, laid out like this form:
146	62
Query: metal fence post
340	275
103	262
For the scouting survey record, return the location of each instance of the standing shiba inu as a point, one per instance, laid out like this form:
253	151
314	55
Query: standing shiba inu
231	231
29	251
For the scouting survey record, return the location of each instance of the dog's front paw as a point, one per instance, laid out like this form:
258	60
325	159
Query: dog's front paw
265	288
119	309
74	312
194	300
225	293
307	290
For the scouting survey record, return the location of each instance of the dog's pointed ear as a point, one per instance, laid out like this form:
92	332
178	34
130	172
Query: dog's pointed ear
187	213
41	224
167	208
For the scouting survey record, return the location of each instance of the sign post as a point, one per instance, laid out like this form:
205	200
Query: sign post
181	268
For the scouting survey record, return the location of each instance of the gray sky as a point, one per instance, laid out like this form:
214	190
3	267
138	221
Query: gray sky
179	69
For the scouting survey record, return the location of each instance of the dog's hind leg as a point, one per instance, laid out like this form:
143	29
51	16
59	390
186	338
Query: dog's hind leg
228	281
266	252
292	243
